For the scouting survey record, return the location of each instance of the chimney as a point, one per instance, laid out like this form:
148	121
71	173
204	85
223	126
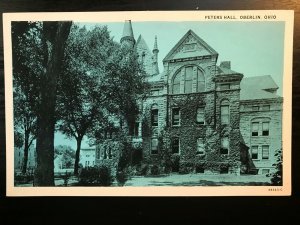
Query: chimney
225	64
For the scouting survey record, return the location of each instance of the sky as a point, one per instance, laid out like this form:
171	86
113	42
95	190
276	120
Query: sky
254	48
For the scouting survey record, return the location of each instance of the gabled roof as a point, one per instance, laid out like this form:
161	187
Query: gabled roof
255	88
201	42
143	49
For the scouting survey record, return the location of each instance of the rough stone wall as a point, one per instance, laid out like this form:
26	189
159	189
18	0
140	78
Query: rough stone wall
149	131
273	140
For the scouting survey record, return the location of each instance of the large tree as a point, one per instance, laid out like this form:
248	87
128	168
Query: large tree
53	39
100	79
26	69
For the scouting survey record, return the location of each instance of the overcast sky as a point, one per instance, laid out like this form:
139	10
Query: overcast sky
254	48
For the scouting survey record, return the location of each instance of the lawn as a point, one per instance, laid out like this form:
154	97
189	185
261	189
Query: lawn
200	180
183	180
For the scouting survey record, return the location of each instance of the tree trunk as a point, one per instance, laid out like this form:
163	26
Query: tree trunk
26	148
76	165
54	37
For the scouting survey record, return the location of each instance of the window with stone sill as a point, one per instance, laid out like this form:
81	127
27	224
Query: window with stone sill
265	152
200	115
175	117
254	129
225	113
254	152
200	147
154	146
154	117
224	146
175	146
265	129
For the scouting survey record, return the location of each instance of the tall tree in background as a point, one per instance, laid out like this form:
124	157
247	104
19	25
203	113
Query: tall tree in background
82	95
53	39
100	79
27	67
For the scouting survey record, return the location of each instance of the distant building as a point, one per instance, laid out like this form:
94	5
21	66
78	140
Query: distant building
200	116
19	157
58	163
87	157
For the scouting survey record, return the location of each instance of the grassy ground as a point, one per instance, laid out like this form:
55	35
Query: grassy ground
200	180
184	180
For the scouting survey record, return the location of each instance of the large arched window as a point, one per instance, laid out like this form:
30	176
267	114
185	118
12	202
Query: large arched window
176	83
189	74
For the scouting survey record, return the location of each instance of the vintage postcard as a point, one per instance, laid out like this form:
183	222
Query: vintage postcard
186	103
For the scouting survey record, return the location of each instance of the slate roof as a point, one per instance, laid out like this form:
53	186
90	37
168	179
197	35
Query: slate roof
255	88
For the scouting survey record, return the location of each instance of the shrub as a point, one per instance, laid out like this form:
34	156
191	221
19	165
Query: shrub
142	170
121	177
23	178
277	175
154	170
96	176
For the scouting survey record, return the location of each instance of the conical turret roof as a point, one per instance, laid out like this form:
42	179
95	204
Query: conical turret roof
155	48
127	30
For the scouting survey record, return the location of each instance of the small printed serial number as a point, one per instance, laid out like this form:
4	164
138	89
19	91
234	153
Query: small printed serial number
275	189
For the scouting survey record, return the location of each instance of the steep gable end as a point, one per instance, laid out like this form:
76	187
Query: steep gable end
190	45
145	55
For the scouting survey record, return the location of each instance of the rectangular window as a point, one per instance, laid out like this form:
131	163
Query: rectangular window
154	117
224	86
175	145
154	92
200	115
254	152
254	129
200	146
224	145
255	108
266	107
265	152
265	171
136	129
265	128
224	114
176	117
188	79
109	153
104	153
154	146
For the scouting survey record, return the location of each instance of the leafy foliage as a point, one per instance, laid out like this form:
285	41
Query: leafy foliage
276	177
95	176
68	155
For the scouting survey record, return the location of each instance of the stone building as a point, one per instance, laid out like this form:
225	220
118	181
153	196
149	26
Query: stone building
201	116
19	158
87	157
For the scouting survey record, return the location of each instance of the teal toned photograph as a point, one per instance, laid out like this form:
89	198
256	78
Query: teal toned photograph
122	104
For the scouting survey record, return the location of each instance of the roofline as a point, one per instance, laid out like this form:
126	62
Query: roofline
209	48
